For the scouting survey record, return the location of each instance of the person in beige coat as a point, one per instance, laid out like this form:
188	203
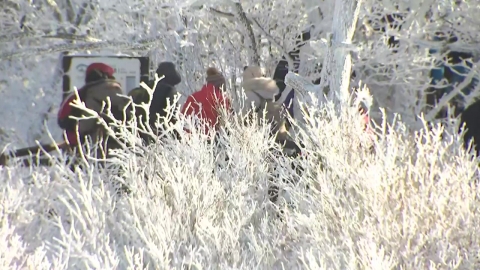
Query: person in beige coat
260	93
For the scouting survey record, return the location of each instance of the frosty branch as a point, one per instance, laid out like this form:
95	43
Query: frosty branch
63	36
255	58
140	44
250	20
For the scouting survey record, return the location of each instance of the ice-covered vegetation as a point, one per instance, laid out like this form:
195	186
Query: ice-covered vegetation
411	204
406	199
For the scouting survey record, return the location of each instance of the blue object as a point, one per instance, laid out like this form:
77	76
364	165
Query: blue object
455	74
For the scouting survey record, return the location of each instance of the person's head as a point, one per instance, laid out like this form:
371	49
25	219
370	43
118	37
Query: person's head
98	71
167	69
252	72
215	77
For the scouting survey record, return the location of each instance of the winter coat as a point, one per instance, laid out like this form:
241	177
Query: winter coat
279	75
93	95
260	95
469	117
206	104
281	70
164	93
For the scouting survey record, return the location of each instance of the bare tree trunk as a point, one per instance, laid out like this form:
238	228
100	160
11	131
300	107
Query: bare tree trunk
339	59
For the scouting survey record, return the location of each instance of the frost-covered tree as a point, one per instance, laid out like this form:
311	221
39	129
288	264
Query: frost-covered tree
412	203
400	77
229	36
338	62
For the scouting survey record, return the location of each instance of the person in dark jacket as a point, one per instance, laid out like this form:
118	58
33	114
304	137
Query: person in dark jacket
163	94
281	70
469	117
451	69
164	91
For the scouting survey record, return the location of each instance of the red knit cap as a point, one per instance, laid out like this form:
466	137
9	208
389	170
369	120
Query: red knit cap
101	67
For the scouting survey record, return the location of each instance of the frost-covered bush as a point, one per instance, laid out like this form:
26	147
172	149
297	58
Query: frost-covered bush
411	204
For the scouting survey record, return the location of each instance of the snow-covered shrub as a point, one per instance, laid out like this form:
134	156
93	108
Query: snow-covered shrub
412	203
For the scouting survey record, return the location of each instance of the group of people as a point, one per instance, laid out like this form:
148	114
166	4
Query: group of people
205	104
263	93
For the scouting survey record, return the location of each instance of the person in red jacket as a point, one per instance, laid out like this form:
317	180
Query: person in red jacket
205	104
100	84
